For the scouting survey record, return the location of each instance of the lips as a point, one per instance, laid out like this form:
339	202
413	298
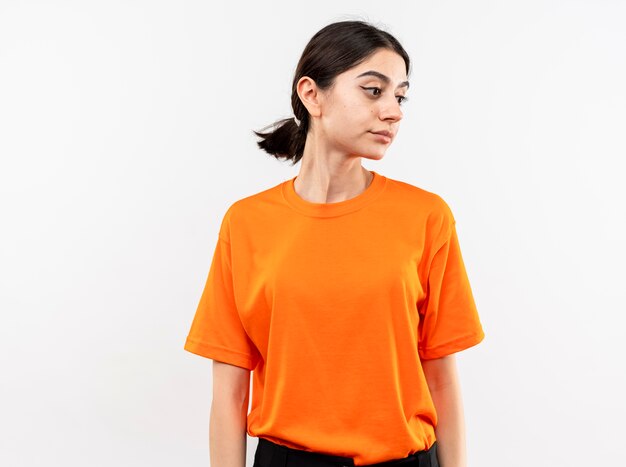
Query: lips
386	133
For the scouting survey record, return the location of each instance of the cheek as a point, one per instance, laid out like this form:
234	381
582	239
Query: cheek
357	114
350	118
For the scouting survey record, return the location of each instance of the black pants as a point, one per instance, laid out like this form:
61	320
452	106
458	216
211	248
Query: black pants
269	454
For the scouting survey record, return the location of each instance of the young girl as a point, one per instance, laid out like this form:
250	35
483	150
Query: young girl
343	290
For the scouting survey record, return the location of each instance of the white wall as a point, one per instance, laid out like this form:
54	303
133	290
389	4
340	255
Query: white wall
126	131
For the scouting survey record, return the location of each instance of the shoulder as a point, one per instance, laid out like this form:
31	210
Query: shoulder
249	209
427	208
433	206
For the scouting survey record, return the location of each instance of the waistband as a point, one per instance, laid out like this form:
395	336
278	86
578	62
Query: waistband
270	454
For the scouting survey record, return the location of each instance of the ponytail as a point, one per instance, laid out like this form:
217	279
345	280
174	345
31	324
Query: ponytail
286	140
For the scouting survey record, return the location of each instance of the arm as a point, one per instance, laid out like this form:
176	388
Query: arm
443	382
229	411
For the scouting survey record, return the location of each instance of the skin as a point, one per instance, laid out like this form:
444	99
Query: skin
229	407
445	390
339	124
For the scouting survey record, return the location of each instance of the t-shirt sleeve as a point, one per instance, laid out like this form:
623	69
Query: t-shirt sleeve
217	331
448	320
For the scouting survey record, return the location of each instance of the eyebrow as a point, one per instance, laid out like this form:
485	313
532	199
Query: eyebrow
383	78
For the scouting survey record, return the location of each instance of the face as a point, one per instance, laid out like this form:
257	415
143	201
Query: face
363	100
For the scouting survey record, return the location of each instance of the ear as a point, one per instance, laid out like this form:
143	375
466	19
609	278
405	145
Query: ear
311	97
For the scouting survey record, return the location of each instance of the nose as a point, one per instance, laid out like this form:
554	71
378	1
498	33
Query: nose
391	111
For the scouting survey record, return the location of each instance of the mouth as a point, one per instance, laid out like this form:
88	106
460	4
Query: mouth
383	136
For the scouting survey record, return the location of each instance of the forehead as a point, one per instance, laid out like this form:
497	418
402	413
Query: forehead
384	61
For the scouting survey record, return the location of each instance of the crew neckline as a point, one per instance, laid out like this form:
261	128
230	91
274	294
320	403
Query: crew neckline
333	209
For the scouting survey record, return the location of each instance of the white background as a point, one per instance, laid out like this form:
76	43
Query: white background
126	131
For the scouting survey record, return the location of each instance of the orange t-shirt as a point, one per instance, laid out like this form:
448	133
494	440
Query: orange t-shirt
334	305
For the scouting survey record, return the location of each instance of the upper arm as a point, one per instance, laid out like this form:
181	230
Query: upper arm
230	381
440	372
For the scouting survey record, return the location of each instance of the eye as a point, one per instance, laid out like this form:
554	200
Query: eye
373	89
401	98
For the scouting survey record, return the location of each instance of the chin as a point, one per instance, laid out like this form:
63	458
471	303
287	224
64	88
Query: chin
373	156
376	152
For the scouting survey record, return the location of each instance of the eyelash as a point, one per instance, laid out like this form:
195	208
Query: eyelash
404	98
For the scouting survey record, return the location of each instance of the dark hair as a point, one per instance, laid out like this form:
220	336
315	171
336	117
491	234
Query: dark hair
332	50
